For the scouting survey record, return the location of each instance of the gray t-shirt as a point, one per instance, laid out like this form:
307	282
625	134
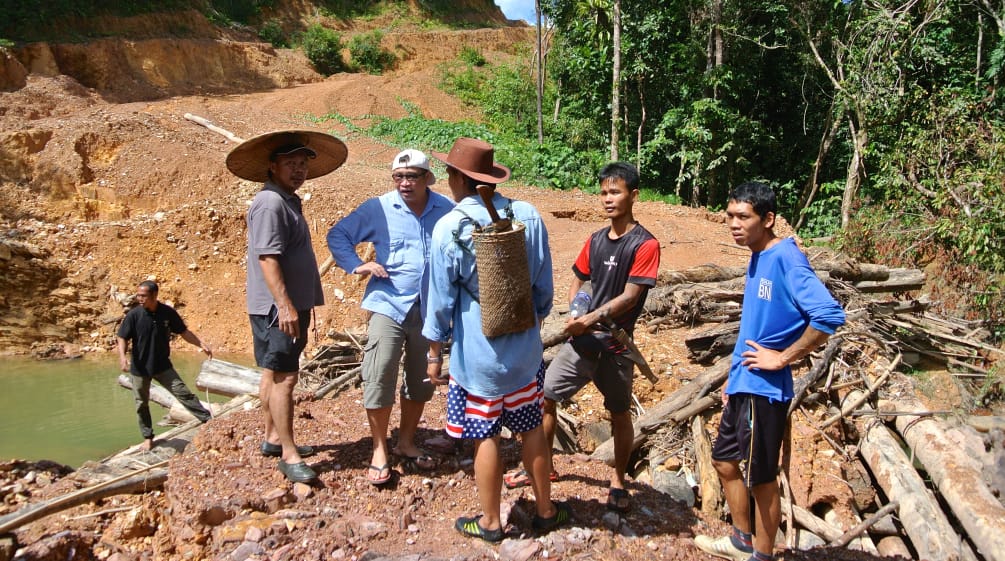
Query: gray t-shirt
276	226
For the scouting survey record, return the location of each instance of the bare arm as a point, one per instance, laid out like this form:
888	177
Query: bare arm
617	306
193	339
289	321
768	359
123	358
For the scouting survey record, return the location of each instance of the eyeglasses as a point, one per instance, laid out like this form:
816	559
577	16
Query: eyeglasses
399	177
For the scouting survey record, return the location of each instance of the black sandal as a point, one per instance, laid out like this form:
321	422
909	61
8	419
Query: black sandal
619	500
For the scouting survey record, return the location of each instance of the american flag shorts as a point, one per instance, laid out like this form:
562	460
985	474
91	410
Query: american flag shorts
471	416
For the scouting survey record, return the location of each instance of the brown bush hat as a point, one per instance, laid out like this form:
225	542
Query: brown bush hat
250	159
474	158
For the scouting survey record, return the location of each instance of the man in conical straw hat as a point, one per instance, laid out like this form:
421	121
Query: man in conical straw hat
283	280
493	382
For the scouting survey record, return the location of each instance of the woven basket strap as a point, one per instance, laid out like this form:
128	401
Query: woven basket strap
464	247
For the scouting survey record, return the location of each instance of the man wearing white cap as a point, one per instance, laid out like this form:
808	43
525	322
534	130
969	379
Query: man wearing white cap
399	223
283	280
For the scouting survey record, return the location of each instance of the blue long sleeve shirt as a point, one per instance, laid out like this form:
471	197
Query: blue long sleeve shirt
781	298
402	246
485	367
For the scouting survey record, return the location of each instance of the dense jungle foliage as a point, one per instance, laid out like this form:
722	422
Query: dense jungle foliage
877	121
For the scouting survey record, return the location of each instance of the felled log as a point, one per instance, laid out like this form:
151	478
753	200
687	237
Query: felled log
710	344
986	424
958	477
701	273
176	412
899	280
687	398
709	488
227	378
144	480
815	524
928	528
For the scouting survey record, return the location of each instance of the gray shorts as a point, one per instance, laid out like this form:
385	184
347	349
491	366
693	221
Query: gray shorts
570	371
388	341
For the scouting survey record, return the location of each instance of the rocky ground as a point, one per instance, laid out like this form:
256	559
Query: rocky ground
104	186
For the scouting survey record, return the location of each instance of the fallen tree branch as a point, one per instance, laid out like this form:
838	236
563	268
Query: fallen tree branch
848	536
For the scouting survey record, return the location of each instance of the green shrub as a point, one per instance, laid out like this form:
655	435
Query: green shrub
471	56
272	32
323	48
366	53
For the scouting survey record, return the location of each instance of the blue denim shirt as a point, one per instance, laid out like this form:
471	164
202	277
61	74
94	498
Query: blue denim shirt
401	241
485	367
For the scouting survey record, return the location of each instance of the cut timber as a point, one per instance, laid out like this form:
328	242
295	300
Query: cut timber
227	378
814	524
958	477
928	528
145	480
900	280
710	490
710	344
176	412
686	399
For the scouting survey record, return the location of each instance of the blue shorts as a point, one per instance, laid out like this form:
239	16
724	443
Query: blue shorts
470	416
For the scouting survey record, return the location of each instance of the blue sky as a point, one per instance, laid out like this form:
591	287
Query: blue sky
518	9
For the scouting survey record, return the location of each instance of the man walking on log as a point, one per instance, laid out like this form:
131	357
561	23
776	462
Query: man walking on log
494	381
787	314
149	326
400	224
621	262
283	280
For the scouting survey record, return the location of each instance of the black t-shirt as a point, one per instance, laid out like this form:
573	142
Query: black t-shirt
610	264
150	333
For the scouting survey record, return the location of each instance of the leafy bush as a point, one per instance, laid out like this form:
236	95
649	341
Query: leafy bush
323	48
367	53
272	32
472	56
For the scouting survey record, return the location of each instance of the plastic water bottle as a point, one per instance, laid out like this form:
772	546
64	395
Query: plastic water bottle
580	304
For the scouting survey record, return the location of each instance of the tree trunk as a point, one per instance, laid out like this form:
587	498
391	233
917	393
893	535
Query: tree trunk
854	179
540	74
616	81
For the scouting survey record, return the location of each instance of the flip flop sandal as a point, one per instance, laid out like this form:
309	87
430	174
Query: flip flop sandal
378	481
520	478
619	500
470	527
412	464
562	515
276	450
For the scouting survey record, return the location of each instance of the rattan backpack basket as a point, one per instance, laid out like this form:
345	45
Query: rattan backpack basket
503	281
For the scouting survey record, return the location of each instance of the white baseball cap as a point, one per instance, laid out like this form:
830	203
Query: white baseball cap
412	158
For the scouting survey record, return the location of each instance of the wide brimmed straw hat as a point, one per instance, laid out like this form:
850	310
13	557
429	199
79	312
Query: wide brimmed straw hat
474	158
250	159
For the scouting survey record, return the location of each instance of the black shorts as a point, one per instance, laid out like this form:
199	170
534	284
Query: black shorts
751	431
274	349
